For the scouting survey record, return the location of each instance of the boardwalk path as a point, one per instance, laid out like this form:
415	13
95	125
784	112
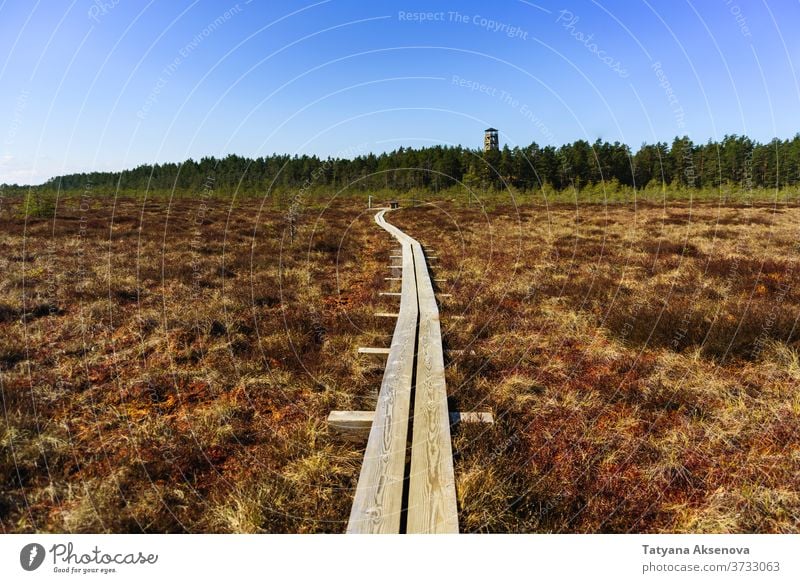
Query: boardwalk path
392	496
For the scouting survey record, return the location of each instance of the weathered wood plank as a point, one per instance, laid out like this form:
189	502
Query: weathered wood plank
378	501
457	417
370	350
432	506
352	425
377	505
356	424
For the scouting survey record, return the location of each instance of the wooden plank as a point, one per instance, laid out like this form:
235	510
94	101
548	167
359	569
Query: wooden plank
471	417
368	350
387	315
352	425
378	501
356	424
431	496
432	506
390	293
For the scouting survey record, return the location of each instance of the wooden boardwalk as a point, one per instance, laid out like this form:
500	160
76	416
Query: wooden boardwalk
392	495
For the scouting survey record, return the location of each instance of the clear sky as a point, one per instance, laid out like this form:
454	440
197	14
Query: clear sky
110	84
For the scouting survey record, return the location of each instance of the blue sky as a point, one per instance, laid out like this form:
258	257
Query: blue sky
111	84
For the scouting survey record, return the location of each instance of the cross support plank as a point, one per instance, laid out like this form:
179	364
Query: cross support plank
369	350
356	424
414	367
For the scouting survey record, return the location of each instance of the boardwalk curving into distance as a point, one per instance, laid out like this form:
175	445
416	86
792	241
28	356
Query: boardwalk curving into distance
392	496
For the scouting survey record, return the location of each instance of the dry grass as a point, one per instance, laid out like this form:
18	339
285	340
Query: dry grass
642	364
169	367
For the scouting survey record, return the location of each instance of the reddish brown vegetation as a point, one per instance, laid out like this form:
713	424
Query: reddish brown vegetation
645	373
169	367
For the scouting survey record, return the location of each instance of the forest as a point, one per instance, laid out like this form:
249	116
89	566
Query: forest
735	160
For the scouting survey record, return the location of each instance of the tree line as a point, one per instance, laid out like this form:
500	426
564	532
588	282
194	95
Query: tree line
735	160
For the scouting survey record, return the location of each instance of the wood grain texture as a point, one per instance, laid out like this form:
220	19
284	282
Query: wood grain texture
471	417
432	506
355	425
373	350
377	505
351	425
